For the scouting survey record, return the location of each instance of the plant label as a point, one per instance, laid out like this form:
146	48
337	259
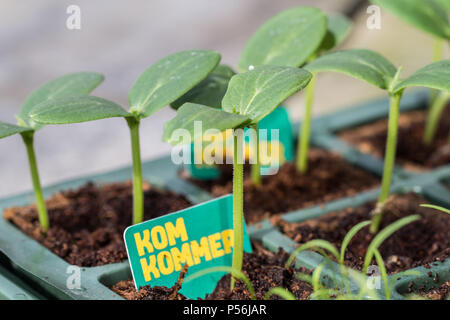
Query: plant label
200	236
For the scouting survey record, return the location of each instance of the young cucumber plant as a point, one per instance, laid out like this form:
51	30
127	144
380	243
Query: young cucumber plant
76	84
287	39
293	38
250	97
430	16
375	69
161	84
337	30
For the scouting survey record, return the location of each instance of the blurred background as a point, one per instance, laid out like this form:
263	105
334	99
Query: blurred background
122	38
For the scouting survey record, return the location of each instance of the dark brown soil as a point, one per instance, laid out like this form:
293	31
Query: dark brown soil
411	152
440	293
329	177
264	269
87	224
418	243
127	290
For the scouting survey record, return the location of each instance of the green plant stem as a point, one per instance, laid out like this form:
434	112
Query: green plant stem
28	138
238	207
434	113
138	193
305	130
255	168
389	158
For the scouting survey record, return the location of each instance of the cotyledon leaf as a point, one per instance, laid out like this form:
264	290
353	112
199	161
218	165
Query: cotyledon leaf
435	76
210	91
7	129
76	109
169	78
337	30
210	118
257	93
74	84
363	64
287	39
428	15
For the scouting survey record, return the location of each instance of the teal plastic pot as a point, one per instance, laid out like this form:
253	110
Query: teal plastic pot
14	288
49	273
425	184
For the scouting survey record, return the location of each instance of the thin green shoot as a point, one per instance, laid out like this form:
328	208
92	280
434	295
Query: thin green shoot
442	209
383	235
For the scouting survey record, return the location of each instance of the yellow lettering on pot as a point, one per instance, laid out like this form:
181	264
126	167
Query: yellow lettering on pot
165	262
227	239
201	250
143	243
182	257
159	237
215	245
149	268
177	231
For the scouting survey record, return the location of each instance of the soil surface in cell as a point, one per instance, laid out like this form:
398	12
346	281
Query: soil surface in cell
418	243
329	177
411	151
440	293
264	269
87	224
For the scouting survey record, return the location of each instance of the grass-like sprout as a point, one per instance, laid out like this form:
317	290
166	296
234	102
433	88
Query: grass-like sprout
383	235
439	208
373	68
430	16
250	97
75	84
323	246
159	85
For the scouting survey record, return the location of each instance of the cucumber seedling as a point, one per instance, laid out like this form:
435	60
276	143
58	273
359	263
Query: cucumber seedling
75	84
337	29
289	39
430	16
159	85
250	97
375	69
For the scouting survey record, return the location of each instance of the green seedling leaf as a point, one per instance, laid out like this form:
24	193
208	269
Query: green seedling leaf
75	84
445	4
210	91
316	243
76	109
362	64
288	39
170	78
338	28
210	118
257	93
383	235
349	236
435	76
442	209
427	15
7	129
